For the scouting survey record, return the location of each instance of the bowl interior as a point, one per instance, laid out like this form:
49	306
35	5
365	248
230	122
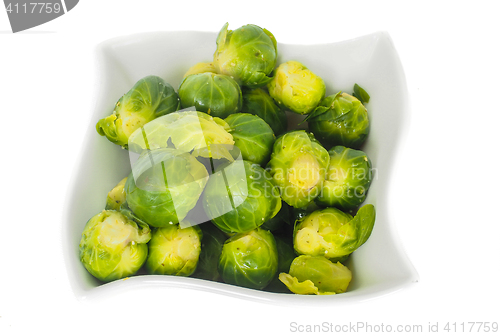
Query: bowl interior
380	266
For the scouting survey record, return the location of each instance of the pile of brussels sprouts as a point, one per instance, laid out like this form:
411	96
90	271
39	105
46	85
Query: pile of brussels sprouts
223	189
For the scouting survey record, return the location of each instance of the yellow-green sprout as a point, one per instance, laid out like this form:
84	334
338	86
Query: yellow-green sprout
113	246
298	167
340	119
332	233
240	196
296	87
348	179
253	137
247	54
249	259
316	275
174	251
150	98
215	94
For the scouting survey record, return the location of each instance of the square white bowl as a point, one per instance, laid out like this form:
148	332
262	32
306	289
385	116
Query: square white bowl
379	267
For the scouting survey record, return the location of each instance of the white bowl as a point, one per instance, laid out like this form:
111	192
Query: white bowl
379	267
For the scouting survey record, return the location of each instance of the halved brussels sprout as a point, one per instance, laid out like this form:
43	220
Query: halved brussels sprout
316	275
248	54
259	102
298	167
296	87
112	246
187	131
200	68
148	99
332	233
340	119
214	94
116	197
211	248
253	136
249	259
164	186
348	178
237	204
174	251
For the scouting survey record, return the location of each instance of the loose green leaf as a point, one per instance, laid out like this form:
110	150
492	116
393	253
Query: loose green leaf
361	94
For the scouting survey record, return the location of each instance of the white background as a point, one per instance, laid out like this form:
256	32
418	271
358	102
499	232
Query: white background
444	190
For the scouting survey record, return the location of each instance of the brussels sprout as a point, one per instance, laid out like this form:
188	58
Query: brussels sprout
112	246
332	233
249	259
174	251
217	95
239	205
340	119
148	99
286	255
185	131
252	136
347	179
116	197
298	166
296	87
316	275
259	102
200	68
164	186
211	248
248	54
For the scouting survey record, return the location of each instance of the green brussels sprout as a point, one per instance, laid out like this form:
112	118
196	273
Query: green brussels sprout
249	259
214	94
116	197
238	204
253	136
211	248
187	131
316	275
174	251
332	233
149	98
340	119
296	87
164	185
347	179
248	54
298	167
259	102
113	246
286	254
200	68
